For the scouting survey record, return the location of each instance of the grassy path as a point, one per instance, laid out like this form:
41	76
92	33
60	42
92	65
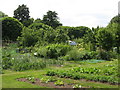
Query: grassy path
9	80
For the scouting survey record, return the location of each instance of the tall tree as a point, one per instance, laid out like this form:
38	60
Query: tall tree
105	39
114	28
22	14
90	37
51	19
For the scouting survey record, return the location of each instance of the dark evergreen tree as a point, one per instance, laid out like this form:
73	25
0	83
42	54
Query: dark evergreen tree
51	19
22	14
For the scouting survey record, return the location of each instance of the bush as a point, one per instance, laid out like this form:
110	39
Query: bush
11	28
36	33
26	61
76	54
6	61
28	37
37	26
104	55
53	50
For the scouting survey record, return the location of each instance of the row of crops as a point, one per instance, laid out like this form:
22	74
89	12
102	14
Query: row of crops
108	73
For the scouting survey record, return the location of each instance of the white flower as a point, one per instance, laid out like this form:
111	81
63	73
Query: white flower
35	53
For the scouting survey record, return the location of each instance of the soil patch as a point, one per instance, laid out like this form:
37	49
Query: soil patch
49	84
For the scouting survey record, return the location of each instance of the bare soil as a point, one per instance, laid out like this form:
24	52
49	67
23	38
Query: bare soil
49	84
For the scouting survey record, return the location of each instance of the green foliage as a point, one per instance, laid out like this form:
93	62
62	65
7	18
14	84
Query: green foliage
37	26
76	54
38	20
11	28
105	55
26	62
61	36
59	83
90	38
115	19
30	78
6	61
53	50
51	19
114	28
28	37
77	86
74	32
107	73
51	73
46	80
21	62
22	14
105	39
36	32
28	22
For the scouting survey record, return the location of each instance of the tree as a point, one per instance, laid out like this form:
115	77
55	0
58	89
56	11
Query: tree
22	14
61	36
105	39
114	28
90	37
51	19
36	33
75	32
11	28
38	20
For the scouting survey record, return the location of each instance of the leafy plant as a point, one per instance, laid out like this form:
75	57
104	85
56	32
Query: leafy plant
53	50
44	80
30	78
77	86
59	83
94	74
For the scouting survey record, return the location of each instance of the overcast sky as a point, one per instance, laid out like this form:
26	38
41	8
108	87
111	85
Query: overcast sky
90	13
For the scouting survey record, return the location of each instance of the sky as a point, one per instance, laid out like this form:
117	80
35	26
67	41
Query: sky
90	13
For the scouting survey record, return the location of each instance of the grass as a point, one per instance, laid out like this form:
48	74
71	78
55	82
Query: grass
9	79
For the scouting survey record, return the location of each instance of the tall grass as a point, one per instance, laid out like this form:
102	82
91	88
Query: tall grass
26	61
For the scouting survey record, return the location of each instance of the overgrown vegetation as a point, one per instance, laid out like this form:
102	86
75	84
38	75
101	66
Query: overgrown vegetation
30	44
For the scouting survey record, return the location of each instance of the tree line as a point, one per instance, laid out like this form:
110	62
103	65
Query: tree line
28	32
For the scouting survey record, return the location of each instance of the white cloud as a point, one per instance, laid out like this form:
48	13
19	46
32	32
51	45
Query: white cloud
71	12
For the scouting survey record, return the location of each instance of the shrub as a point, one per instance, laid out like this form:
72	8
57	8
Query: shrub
59	83
6	61
53	50
75	54
11	28
104	55
21	62
28	37
51	73
37	26
37	32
